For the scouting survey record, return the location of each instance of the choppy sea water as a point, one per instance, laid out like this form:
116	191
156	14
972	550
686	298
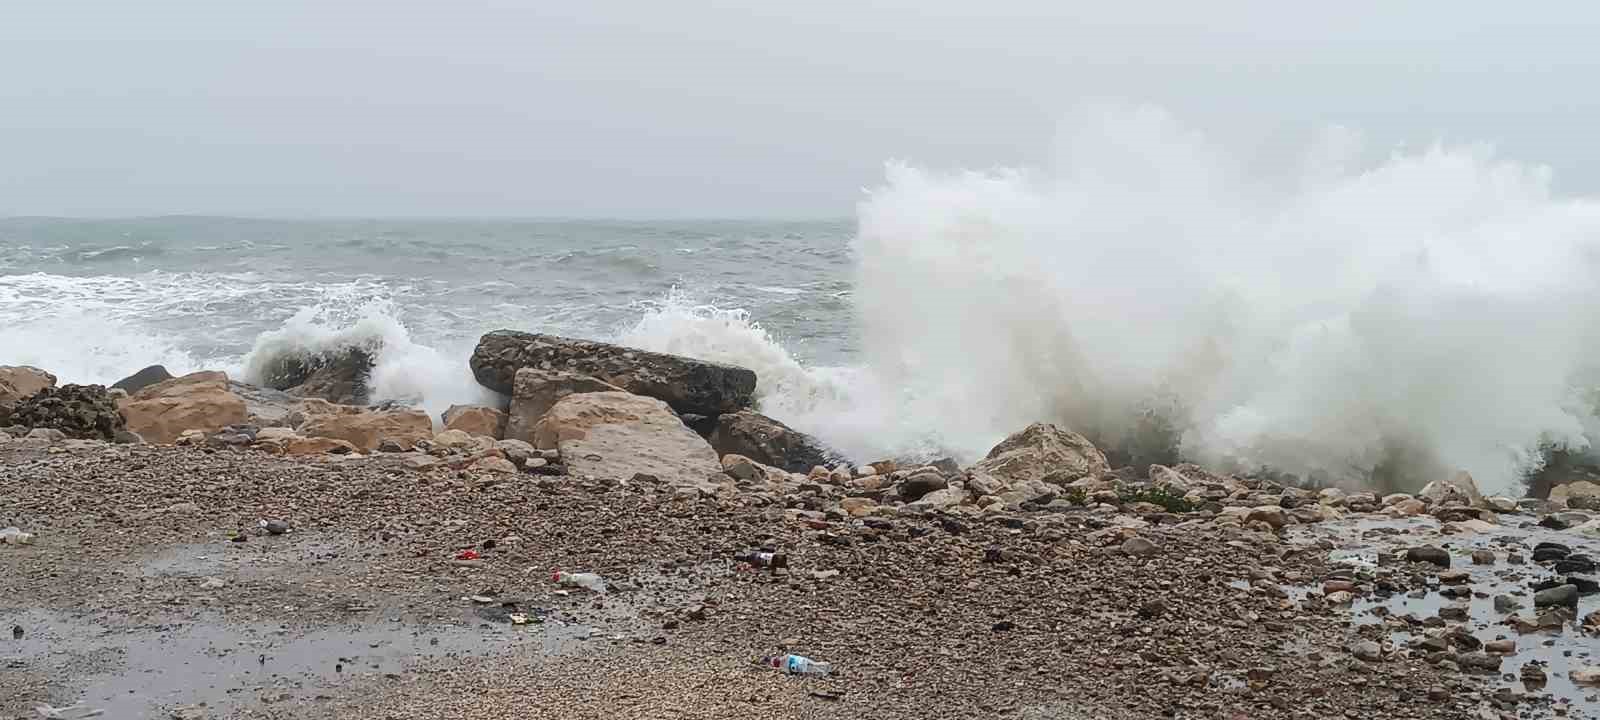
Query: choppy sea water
1415	312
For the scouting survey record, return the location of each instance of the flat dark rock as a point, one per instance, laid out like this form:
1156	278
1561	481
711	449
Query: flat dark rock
142	379
687	385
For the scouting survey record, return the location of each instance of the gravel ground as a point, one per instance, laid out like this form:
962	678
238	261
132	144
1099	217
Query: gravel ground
1037	615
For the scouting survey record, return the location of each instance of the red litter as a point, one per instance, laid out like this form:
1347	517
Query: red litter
467	555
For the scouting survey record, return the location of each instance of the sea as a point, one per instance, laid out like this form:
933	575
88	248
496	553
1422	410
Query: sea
1331	316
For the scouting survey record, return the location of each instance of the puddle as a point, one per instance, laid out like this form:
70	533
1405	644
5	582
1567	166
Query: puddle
143	671
1557	653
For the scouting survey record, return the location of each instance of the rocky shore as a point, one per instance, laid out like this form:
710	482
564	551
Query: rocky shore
200	548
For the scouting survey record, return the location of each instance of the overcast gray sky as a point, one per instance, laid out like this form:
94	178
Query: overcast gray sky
642	108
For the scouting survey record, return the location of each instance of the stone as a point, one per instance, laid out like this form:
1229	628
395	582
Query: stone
1482	557
338	376
1460	488
1139	547
1481	662
686	384
939	500
740	467
1561	494
45	434
1367	650
80	412
618	435
1500	647
460	440
202	401
1341	597
769	442
264	407
1589	675
476	420
518	451
18	382
367	429
535	390
1406	507
1393	498
493	464
419	461
1045	453
142	379
1429	554
1331	496
1506	604
1560	596
1272	515
857	506
1162	476
1500	504
298	445
922	483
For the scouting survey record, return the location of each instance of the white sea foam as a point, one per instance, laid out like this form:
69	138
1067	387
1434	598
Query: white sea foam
1438	299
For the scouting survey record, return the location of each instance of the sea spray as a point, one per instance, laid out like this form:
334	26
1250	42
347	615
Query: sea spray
1307	322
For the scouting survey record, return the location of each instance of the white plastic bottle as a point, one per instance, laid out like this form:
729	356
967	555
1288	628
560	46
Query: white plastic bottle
587	581
15	536
799	665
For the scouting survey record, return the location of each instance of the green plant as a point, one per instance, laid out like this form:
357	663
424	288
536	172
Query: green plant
1164	497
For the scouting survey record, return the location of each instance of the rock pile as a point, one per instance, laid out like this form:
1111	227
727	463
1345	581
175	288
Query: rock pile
18	382
83	412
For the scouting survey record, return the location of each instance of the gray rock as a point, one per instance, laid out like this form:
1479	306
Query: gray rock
1429	554
1139	547
1045	453
1506	604
142	379
687	385
920	484
338	376
1564	595
769	442
1367	650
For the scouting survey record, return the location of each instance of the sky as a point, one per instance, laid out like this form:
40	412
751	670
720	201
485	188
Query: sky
695	108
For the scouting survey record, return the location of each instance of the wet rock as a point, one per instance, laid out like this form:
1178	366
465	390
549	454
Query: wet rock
536	390
1563	596
1408	507
1340	598
1549	551
922	483
18	382
1482	557
1162	476
475	420
1429	554
202	401
1454	577
1585	585
81	412
142	379
1533	674
1500	504
1589	675
1045	453
685	384
1564	494
1500	647
338	376
1506	604
1573	564
769	442
620	435
1456	613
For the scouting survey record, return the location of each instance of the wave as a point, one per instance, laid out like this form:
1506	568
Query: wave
1310	321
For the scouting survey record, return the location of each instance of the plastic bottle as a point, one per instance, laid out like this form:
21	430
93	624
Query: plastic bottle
15	536
587	581
776	561
799	665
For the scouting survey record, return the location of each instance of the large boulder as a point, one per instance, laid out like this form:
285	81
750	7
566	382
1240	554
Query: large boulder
1460	489
536	390
475	420
197	401
82	412
367	429
768	442
619	435
339	376
1578	494
688	385
266	407
1044	453
18	382
142	379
